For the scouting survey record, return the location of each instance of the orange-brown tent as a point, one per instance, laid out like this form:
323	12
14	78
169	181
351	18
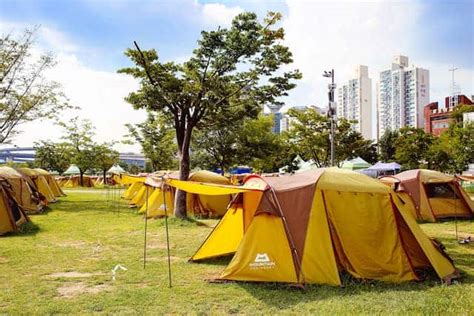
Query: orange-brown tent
431	195
310	227
12	215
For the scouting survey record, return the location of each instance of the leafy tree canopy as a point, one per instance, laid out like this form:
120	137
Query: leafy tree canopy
231	67
25	93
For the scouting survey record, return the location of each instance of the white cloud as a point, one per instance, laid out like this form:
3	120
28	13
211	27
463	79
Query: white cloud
332	34
216	13
99	94
341	35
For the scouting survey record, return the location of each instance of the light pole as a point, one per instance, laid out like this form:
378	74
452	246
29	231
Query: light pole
331	112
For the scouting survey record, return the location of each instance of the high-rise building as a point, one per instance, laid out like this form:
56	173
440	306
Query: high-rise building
286	121
402	93
355	101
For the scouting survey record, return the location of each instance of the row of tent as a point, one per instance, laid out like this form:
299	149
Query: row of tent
150	198
24	191
314	226
428	195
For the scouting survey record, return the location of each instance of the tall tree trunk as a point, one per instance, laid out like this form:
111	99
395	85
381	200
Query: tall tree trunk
184	170
81	177
105	176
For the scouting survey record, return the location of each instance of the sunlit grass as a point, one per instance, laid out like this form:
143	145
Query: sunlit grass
64	266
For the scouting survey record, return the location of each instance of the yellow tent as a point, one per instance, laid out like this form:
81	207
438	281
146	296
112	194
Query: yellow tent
75	181
11	215
315	225
431	195
23	190
57	192
132	190
41	183
205	205
196	204
156	205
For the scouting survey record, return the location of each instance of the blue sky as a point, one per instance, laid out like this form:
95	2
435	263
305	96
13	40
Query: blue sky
90	36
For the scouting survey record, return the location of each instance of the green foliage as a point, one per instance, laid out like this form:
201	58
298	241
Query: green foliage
309	135
387	146
78	134
156	139
412	148
104	157
244	141
236	66
25	93
53	156
453	150
459	110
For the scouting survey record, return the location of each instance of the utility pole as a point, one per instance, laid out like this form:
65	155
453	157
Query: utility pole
331	113
453	84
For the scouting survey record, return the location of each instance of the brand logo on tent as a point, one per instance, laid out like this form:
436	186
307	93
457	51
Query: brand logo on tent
262	261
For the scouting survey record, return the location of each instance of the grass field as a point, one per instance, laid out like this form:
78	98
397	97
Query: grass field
65	267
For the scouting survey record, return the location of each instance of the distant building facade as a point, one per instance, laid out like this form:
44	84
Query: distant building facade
355	101
438	119
402	93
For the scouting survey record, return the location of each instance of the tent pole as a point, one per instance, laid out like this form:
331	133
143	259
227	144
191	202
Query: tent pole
167	233
146	227
455	213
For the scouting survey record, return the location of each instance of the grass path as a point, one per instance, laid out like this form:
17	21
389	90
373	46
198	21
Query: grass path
65	267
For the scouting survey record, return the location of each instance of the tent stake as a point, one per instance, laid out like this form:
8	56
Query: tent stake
146	227
167	234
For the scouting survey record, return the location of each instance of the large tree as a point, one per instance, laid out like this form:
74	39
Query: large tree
156	138
235	66
309	134
25	93
53	156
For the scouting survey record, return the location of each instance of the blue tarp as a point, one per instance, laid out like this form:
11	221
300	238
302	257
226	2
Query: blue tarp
382	166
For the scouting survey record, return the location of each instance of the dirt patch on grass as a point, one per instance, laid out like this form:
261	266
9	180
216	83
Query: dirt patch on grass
71	274
73	244
3	260
72	290
165	258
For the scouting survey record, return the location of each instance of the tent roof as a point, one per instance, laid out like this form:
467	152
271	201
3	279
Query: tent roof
385	166
425	176
356	163
116	169
73	169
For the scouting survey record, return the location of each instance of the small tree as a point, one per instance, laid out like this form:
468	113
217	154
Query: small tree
78	134
105	157
53	156
309	134
232	66
387	146
25	94
412	147
156	139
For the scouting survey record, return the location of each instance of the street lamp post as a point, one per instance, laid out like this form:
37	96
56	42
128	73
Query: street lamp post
331	112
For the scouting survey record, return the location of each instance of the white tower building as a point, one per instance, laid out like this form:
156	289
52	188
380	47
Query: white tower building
402	93
355	101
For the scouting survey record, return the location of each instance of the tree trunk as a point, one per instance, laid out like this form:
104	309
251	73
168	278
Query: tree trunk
184	169
180	202
81	178
105	176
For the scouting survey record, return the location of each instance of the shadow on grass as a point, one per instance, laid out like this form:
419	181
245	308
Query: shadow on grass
27	229
284	296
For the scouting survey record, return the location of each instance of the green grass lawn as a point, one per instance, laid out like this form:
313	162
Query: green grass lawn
65	267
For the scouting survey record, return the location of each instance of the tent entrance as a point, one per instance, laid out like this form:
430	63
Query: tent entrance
446	201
